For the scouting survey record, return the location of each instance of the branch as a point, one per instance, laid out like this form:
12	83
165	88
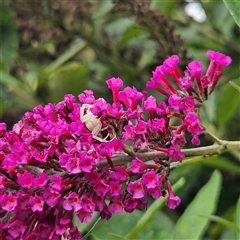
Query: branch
190	152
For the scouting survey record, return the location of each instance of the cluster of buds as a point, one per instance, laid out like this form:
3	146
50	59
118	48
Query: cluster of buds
51	162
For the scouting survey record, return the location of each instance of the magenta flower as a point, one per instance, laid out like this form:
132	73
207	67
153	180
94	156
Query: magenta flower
115	84
70	162
137	165
9	163
152	84
158	124
2	182
175	101
25	179
129	132
72	202
187	104
119	173
92	178
195	128
135	188
178	139
170	63
101	188
16	229
175	153
190	118
56	182
130	96
186	83
195	140
117	145
195	68
150	103
87	204
41	180
155	192
160	78
84	216
116	188
36	203
8	202
116	206
86	163
51	197
3	128
150	180
87	97
219	58
130	204
74	234
141	127
172	201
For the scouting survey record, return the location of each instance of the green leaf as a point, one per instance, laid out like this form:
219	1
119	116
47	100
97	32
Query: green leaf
216	162
118	27
237	219
166	7
159	227
64	57
147	56
103	9
71	78
223	222
234	8
131	33
235	86
152	210
222	163
116	236
9	38
227	104
21	90
119	224
191	225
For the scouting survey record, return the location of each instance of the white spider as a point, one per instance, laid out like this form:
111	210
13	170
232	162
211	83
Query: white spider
92	122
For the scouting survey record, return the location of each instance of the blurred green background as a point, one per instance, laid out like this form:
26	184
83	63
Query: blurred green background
50	48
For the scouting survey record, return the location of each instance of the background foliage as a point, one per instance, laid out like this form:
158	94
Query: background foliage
50	48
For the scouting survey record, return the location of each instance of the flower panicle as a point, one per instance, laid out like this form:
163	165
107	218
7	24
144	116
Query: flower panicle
50	162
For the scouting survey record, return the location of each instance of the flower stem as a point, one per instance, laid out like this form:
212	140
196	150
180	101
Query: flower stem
200	152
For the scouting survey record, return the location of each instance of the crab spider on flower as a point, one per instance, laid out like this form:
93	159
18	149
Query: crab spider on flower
92	122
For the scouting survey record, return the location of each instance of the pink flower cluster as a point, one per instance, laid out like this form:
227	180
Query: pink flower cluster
50	163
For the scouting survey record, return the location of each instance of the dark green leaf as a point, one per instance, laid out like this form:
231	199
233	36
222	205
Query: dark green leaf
222	163
237	218
119	224
103	9
166	7
21	90
191	225
118	27
235	86
9	37
71	78
223	221
64	57
131	33
234	8
228	103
